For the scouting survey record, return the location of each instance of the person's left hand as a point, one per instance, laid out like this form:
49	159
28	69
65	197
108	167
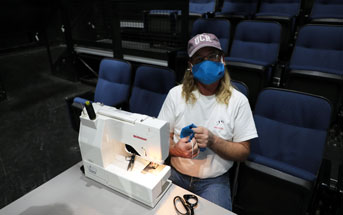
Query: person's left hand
203	137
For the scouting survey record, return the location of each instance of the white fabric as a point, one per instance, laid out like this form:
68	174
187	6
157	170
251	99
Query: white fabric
233	122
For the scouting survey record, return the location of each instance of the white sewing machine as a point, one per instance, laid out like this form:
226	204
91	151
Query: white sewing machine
105	159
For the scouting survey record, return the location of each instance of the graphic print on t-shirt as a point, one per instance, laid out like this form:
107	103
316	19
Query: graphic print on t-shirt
219	125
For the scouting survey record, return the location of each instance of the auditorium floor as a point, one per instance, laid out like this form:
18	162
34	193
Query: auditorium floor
36	139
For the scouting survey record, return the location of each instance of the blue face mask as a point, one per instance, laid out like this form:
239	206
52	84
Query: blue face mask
208	72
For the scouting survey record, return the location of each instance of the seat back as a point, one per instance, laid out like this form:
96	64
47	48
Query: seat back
292	129
113	86
328	11
245	8
218	27
202	6
282	8
150	88
241	87
253	55
262	45
319	48
316	63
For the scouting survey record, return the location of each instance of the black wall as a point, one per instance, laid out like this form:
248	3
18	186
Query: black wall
28	22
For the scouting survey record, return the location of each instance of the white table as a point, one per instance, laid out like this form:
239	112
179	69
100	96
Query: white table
71	193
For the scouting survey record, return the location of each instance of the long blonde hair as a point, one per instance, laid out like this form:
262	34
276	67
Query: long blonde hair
223	93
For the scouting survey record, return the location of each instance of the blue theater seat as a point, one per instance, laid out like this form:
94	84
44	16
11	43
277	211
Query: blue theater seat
201	7
254	53
240	9
327	12
150	88
219	27
285	159
113	85
112	88
292	128
316	64
278	9
241	87
287	13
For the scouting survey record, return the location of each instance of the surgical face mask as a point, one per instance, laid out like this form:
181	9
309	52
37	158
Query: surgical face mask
208	72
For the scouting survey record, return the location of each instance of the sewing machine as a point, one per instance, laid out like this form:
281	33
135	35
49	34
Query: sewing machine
106	159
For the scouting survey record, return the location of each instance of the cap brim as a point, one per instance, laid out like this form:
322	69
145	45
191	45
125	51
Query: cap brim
202	46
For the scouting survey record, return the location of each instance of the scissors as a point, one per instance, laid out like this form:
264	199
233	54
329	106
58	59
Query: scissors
188	201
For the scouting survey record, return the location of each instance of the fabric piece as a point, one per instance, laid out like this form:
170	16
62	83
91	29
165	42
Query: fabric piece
187	131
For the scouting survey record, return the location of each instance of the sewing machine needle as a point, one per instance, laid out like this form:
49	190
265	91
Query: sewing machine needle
131	162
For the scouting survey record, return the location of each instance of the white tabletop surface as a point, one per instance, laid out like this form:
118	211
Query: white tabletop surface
71	193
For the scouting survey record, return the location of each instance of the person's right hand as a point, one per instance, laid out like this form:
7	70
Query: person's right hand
183	148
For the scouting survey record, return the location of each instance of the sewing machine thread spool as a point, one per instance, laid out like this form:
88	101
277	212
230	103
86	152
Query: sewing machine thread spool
90	110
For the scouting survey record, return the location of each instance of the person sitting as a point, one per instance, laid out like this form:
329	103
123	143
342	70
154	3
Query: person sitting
218	118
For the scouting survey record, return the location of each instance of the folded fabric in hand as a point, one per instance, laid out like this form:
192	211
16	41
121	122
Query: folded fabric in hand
187	131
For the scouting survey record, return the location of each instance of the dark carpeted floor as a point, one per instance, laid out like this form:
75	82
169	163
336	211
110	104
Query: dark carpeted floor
36	140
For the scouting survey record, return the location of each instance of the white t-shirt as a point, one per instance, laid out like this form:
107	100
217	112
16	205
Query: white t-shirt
233	122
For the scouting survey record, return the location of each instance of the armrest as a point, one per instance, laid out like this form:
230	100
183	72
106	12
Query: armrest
322	183
89	95
332	21
195	15
279	174
279	72
340	179
80	100
250	66
317	74
274	17
231	15
77	105
209	15
234	171
324	173
74	108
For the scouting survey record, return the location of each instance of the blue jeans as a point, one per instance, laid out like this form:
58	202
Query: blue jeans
216	190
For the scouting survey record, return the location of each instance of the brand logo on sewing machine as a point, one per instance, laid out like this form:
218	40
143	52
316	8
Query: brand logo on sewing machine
92	169
138	137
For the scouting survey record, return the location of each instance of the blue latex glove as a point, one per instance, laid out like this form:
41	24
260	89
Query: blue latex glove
187	131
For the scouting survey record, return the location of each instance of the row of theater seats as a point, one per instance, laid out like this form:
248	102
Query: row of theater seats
323	11
291	14
145	95
292	128
115	88
252	57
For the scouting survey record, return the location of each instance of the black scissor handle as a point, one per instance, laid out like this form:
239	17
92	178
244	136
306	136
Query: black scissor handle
184	204
188	202
188	197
